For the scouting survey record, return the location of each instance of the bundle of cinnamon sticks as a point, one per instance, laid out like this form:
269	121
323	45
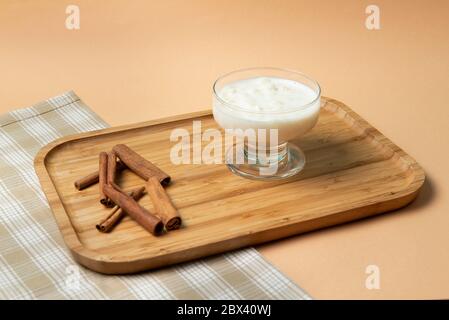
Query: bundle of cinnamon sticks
166	216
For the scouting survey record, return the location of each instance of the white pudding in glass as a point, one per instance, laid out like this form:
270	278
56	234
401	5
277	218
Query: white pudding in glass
265	109
267	103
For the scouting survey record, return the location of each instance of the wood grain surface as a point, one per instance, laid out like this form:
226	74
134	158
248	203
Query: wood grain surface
352	171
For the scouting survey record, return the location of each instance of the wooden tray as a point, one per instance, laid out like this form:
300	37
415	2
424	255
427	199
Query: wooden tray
352	172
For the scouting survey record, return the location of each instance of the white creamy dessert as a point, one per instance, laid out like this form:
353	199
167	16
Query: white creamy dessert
267	103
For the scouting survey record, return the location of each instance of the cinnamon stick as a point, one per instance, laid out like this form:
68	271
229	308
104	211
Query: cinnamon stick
86	181
112	167
139	165
142	216
93	177
102	177
118	213
163	206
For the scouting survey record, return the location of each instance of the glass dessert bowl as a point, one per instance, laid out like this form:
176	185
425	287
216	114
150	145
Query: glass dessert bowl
264	109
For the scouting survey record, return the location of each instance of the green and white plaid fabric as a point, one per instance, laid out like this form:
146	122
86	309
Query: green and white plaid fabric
34	262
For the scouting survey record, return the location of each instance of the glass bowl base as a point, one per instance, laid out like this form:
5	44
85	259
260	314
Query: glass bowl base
290	163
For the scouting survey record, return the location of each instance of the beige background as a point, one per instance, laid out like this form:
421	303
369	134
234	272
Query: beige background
138	60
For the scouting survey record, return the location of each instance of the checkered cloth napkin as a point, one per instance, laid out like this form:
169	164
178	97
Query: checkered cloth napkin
34	262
